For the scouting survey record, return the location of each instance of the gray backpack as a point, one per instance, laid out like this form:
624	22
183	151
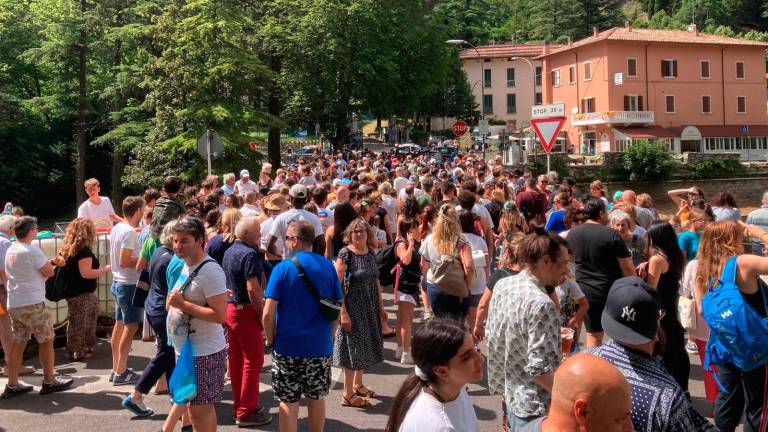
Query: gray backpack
448	274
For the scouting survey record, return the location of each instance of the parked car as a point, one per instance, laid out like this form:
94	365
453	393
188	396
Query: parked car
409	148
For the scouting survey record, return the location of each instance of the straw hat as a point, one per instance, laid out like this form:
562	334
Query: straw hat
275	202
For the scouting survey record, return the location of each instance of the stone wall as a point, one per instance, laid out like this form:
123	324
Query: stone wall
747	191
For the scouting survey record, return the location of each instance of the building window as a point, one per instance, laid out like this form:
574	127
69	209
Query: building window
538	75
632	67
587	71
704	69
706	104
510	77
633	103
556	77
669	104
669	68
588	105
740	70
511	103
486	77
537	98
741	104
487	104
571	74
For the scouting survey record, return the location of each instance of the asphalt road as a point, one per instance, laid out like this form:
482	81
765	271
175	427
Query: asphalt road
94	404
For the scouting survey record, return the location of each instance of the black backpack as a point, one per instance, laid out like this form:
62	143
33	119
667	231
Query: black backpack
56	285
386	260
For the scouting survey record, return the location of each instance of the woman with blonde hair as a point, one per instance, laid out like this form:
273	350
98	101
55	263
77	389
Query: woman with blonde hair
82	270
598	190
440	247
720	242
225	236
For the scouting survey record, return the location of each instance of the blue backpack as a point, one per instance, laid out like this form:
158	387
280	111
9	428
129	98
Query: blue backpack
738	335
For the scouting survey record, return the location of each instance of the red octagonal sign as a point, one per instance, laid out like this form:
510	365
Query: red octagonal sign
460	127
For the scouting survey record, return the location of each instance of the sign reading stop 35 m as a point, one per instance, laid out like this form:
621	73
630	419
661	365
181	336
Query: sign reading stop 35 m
460	127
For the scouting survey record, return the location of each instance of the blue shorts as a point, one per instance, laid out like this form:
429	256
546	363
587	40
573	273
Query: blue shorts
125	311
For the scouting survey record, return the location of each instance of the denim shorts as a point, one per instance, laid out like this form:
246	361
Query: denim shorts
125	311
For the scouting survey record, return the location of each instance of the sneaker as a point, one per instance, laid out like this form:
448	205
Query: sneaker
259	417
187	428
138	408
691	348
17	390
398	352
58	384
112	377
406	359
126	378
426	316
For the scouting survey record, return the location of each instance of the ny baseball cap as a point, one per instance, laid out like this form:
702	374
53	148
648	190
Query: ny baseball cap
632	311
298	191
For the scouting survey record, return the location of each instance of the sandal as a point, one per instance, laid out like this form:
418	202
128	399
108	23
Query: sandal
365	392
389	334
355	402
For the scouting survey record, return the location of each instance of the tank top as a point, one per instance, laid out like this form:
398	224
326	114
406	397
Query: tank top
410	275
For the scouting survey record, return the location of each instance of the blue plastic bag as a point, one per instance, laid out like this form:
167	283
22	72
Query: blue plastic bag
182	385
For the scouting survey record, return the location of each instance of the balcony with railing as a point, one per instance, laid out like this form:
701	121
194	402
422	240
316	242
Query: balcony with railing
612	117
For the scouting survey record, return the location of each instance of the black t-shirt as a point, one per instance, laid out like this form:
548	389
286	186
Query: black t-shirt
498	275
76	283
595	250
158	289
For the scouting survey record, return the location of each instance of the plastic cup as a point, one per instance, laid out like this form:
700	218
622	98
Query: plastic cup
566	340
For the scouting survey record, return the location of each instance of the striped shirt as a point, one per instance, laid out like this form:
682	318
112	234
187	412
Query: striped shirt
658	402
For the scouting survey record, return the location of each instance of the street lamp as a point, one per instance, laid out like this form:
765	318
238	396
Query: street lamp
482	77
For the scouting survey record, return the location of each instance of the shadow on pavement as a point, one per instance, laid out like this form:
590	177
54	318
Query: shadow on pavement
64	401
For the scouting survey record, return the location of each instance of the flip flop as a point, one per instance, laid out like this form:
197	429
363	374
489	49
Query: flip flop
368	393
355	402
389	334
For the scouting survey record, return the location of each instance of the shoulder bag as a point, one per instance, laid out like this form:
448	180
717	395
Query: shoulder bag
330	308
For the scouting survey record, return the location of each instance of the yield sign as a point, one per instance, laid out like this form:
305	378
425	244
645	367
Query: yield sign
547	130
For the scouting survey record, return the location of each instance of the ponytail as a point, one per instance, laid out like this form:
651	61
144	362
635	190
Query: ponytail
408	393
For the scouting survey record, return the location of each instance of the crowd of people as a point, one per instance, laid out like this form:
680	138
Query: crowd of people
297	263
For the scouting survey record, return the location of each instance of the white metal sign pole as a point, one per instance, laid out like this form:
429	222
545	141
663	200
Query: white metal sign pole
208	149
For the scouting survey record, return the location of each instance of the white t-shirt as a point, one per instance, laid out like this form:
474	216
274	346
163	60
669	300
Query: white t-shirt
244	188
479	279
427	414
207	337
416	193
123	236
280	226
390	205
100	214
266	229
400	183
249	210
568	288
26	285
308	181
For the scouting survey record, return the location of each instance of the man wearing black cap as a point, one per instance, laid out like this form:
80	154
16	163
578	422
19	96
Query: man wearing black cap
631	319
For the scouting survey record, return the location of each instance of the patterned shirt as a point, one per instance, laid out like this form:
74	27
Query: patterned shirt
658	402
758	217
523	331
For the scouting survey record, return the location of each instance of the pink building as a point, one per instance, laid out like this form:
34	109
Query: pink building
693	91
510	81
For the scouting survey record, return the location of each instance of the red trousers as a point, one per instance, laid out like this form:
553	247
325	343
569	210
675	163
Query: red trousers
246	357
710	385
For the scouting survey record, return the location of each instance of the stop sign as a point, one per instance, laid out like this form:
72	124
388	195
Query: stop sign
460	127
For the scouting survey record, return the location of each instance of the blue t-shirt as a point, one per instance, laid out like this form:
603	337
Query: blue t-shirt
301	330
158	288
555	222
241	262
217	247
689	243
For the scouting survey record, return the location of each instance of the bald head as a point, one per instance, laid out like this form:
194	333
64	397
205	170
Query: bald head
629	196
589	394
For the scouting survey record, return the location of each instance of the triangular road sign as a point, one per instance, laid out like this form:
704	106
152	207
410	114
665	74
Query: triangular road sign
547	130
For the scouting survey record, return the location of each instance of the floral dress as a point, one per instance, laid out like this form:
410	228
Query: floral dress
362	346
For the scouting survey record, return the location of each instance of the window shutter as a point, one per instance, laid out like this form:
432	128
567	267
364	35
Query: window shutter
626	103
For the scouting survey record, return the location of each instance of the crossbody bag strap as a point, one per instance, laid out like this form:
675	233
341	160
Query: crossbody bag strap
306	279
192	275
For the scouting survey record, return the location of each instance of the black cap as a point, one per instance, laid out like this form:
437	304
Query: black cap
632	311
